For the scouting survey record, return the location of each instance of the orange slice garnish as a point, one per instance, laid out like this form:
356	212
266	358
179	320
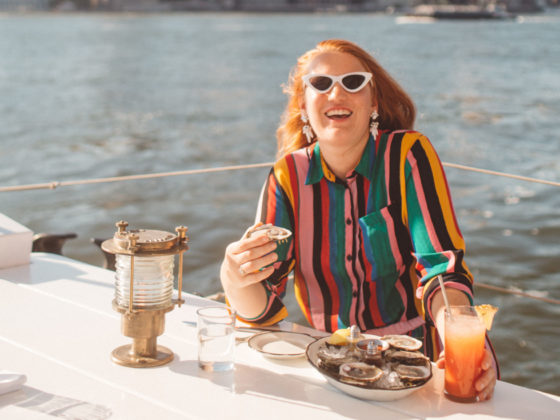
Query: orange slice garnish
486	314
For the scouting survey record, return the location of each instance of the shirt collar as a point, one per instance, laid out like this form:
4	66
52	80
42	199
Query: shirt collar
319	169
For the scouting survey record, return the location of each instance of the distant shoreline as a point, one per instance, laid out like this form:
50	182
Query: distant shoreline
261	7
194	11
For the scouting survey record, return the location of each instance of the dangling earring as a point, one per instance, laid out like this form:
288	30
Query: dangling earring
306	127
374	124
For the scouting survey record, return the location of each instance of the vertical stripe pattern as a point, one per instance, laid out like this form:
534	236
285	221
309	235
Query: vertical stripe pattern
365	249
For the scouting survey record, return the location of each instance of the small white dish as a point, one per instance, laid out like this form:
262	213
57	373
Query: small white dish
11	381
281	344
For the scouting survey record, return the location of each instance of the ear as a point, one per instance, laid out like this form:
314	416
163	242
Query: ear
374	101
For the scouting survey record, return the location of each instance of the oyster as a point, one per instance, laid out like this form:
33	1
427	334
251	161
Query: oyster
406	357
359	373
332	357
414	375
276	233
403	342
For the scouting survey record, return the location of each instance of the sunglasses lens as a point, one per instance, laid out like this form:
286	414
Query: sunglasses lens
321	83
353	81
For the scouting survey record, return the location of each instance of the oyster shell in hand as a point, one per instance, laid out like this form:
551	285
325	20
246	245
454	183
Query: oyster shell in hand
276	233
359	373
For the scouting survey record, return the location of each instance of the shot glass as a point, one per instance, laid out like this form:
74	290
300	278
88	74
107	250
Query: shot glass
464	350
216	339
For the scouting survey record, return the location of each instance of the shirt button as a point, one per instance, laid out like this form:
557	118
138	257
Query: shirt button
348	221
349	257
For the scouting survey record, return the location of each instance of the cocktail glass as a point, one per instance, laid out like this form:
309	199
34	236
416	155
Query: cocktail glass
464	350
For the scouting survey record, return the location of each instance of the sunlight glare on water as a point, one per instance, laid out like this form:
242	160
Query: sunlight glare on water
89	96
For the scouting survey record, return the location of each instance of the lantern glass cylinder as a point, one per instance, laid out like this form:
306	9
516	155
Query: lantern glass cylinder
153	281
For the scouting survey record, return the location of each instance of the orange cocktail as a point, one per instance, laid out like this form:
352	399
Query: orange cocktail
464	350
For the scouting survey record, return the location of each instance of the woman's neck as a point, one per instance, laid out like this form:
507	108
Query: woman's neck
342	159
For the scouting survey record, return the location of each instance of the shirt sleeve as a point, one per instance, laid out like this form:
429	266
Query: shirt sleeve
274	207
438	244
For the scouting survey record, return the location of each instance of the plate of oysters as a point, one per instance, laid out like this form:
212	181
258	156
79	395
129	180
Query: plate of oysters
370	367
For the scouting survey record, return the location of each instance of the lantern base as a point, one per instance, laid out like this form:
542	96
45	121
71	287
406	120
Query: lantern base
125	356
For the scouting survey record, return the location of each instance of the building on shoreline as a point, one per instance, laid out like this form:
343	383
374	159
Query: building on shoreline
24	5
521	6
230	5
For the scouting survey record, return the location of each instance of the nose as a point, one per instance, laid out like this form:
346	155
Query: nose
336	90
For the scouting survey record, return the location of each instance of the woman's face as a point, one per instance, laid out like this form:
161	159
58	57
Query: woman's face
338	117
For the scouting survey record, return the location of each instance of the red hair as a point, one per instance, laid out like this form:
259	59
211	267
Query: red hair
396	109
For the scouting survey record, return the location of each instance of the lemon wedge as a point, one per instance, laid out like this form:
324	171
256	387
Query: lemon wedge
339	337
486	314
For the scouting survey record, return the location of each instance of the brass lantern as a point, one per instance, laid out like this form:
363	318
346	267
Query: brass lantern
144	290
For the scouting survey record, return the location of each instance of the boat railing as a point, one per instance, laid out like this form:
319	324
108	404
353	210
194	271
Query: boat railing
57	184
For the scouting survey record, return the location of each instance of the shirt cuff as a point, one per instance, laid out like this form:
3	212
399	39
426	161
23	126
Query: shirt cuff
273	312
453	281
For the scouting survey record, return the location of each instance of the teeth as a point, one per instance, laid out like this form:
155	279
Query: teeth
338	112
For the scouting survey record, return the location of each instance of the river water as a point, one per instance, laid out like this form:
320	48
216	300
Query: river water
89	96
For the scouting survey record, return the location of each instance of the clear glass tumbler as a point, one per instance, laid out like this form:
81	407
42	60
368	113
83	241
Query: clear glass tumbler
216	338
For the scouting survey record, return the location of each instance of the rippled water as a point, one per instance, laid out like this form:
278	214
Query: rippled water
88	96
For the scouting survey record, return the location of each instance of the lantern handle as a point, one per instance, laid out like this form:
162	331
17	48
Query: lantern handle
182	233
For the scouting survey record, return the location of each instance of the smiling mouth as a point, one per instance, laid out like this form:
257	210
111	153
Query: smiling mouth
338	114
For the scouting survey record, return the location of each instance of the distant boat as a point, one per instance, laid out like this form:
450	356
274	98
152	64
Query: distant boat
450	11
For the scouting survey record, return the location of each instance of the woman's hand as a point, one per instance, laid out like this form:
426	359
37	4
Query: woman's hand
486	381
244	261
243	270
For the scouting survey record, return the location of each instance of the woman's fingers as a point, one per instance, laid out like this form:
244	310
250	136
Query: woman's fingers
245	260
251	255
248	279
247	244
487	381
485	385
245	254
256	264
440	363
486	360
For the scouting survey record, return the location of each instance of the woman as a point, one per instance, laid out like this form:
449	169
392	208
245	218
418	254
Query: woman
368	204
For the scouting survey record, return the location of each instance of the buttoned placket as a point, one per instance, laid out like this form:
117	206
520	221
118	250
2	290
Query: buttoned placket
350	237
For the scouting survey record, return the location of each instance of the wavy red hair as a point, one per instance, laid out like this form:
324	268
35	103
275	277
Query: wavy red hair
396	109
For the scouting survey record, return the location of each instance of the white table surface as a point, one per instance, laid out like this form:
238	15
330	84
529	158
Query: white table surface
58	328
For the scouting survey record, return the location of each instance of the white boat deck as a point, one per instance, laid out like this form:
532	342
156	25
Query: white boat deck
58	328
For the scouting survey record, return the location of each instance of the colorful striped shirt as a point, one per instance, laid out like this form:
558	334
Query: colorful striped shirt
365	250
